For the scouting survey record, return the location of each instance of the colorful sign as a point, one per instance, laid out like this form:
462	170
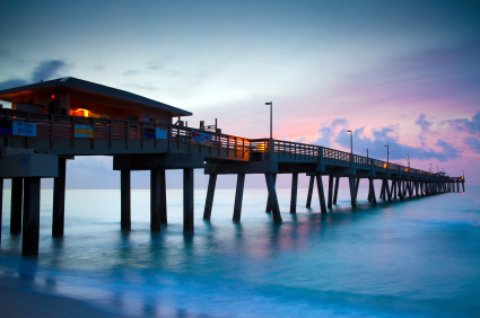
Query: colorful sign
83	131
160	133
20	128
201	137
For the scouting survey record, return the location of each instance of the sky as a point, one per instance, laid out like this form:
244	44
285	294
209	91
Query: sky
406	73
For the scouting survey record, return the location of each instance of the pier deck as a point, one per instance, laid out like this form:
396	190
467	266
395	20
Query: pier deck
35	146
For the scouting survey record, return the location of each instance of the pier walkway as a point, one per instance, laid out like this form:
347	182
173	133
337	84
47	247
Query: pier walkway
35	146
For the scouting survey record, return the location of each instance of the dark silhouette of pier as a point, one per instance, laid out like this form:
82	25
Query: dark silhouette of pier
28	159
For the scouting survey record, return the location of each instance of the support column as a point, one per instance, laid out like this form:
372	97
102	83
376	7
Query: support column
125	200
158	202
31	217
212	181
1	207
58	220
269	207
335	193
16	206
188	226
389	190
237	210
330	192
272	193
352	184
310	191
321	193
382	190
293	194
371	191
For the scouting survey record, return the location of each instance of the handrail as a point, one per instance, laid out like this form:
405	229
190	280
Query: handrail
54	127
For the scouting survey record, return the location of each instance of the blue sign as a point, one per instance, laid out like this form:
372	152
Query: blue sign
20	128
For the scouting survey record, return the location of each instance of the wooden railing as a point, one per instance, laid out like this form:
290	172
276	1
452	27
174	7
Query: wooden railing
58	127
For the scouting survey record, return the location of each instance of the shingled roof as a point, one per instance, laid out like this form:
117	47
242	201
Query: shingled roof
95	89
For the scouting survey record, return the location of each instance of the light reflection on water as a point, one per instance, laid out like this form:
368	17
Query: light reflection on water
417	258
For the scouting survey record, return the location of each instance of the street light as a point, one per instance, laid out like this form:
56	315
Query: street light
388	154
271	118
351	144
408	160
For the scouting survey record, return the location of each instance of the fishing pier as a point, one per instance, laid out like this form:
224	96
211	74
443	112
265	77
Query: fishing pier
52	122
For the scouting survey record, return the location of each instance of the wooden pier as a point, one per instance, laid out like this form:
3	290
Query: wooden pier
156	147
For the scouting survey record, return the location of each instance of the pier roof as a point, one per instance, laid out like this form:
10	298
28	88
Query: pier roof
94	89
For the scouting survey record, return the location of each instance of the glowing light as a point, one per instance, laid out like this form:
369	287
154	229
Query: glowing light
52	96
385	165
81	112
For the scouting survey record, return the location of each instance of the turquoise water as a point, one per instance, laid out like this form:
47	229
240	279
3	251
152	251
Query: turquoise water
418	258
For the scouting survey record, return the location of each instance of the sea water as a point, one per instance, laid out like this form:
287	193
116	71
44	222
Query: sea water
415	258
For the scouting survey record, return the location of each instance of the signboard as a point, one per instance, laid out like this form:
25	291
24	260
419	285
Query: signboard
201	137
83	131
20	128
160	133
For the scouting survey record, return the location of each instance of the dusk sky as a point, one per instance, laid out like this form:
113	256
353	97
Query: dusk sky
405	73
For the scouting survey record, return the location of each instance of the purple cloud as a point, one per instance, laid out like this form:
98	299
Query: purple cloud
473	143
468	125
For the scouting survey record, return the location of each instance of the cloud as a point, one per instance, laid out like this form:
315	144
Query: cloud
335	134
48	70
468	125
473	143
13	82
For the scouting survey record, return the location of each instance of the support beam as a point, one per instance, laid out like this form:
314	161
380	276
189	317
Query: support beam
31	217
188	224
1	207
357	184
58	220
16	206
371	191
352	185
335	193
237	210
272	193
383	190
269	207
330	192
321	193
293	194
389	190
212	181
310	191
158	202
125	200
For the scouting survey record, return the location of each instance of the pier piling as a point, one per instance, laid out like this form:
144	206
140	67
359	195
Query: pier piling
31	217
293	194
125	200
212	181
272	195
188	224
237	210
58	220
16	206
310	192
321	193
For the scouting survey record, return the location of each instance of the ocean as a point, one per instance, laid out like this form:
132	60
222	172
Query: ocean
415	258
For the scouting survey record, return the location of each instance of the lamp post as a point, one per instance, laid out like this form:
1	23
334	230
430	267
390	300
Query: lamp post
351	145
271	118
408	160
388	153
